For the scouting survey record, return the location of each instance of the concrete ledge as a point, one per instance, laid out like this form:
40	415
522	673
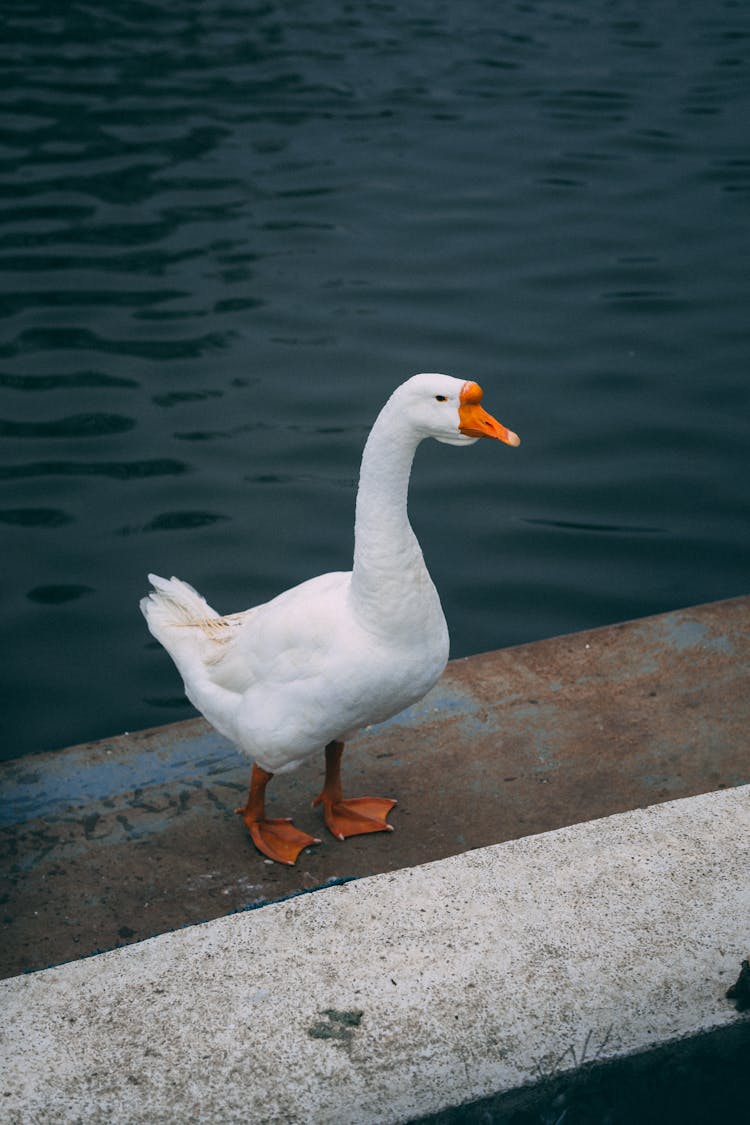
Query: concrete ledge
119	840
399	995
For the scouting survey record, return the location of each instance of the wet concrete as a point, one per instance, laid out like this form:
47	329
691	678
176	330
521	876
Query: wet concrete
109	843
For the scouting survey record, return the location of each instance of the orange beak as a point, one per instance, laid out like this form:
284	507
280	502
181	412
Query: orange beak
474	421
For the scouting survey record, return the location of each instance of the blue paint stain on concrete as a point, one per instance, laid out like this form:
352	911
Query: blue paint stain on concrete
683	633
76	777
444	699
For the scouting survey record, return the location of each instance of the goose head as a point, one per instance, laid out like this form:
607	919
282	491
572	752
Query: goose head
449	410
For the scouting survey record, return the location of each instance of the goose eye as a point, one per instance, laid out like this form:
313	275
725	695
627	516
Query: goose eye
441	398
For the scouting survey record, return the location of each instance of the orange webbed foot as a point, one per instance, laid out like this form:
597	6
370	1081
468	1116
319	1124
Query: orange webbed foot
278	838
355	816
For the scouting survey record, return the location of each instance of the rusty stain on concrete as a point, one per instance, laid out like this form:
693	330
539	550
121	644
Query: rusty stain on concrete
112	842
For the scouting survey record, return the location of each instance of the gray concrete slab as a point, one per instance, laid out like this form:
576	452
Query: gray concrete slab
398	995
108	843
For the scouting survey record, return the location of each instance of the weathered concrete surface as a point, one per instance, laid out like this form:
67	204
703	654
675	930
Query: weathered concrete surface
119	840
398	995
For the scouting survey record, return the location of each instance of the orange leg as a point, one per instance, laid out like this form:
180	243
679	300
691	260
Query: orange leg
355	816
278	839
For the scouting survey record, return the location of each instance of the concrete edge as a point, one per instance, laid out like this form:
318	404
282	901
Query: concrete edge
396	996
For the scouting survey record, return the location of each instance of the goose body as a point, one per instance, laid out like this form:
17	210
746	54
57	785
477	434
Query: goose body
309	668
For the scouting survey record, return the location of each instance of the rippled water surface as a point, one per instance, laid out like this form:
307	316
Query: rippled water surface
230	229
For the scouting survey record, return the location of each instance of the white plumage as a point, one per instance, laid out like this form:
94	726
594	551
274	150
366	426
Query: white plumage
304	671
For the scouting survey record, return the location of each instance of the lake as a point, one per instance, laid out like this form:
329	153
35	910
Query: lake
231	229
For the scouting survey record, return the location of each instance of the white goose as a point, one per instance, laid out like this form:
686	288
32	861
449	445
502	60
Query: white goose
319	662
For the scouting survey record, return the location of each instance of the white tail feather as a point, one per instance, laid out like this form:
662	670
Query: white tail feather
174	602
190	630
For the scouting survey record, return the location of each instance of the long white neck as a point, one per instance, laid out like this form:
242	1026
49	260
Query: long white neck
388	562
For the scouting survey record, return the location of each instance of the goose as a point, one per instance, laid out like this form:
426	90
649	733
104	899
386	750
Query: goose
305	671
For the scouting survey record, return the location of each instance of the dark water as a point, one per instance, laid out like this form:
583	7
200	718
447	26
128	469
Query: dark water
229	229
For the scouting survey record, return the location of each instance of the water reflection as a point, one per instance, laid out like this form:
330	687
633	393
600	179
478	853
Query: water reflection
230	229
115	470
35	517
57	595
175	521
75	426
